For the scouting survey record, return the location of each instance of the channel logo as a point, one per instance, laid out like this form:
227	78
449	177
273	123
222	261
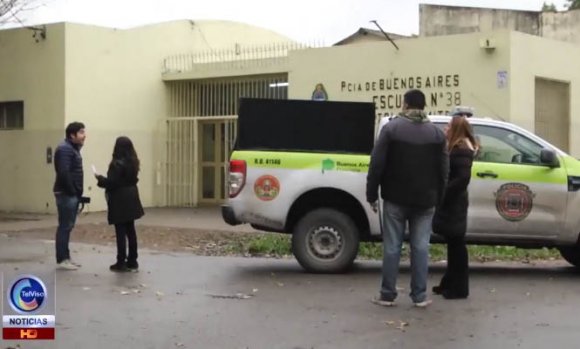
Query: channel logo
27	294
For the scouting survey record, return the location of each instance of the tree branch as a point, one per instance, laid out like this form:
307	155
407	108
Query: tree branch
11	9
573	4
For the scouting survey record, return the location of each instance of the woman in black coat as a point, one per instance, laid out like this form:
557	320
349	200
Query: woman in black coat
450	219
124	205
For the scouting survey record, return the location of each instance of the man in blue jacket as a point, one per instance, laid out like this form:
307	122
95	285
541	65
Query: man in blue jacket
68	189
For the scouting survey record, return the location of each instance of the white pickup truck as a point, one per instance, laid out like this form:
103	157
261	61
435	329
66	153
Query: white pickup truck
299	167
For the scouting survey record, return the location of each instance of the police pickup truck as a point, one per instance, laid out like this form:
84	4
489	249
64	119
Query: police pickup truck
299	167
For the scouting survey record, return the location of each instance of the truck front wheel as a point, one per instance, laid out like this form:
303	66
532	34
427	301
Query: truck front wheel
325	240
571	254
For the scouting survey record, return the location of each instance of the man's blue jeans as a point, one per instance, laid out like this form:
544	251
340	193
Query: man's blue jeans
395	218
67	207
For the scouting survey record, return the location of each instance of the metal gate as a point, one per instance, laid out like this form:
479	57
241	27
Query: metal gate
201	132
198	150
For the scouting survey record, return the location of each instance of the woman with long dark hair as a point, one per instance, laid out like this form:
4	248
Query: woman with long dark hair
123	202
450	219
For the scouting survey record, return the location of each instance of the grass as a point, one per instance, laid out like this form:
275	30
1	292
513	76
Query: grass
277	245
269	244
510	253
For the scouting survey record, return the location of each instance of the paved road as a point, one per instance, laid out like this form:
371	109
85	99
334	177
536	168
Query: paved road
512	305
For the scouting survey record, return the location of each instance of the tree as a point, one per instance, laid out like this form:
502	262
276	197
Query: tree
573	4
10	10
549	7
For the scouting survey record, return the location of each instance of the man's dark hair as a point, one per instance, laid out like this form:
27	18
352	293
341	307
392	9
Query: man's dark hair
73	128
415	99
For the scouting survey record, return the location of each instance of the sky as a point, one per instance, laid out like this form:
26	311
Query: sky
307	21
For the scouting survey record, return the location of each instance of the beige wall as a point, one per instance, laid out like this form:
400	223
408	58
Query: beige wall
438	20
32	72
107	78
536	57
498	82
114	85
355	73
563	26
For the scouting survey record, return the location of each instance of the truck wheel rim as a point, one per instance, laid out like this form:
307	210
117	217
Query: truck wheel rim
325	242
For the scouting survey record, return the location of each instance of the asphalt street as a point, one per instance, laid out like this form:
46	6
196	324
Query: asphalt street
187	301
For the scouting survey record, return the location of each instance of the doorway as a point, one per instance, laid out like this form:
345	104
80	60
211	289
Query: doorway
216	136
552	119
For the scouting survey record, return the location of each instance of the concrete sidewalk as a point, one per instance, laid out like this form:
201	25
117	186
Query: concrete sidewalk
204	218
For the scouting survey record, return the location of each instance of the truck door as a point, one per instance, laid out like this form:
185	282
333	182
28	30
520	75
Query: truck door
511	192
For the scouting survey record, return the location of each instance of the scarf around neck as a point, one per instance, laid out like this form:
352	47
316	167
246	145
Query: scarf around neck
415	115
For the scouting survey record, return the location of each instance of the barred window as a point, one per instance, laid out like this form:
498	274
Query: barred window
12	115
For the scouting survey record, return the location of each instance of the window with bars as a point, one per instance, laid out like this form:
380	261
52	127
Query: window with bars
220	97
12	115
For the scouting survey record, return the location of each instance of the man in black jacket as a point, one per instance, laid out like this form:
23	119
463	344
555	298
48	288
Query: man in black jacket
410	164
68	189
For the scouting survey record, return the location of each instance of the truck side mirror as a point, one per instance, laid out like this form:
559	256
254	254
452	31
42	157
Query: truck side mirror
548	157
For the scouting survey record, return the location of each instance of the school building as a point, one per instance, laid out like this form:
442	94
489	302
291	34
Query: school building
174	89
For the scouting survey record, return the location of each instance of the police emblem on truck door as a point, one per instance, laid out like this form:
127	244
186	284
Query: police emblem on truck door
514	201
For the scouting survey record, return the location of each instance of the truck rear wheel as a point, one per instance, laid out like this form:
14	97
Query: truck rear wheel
325	241
571	254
